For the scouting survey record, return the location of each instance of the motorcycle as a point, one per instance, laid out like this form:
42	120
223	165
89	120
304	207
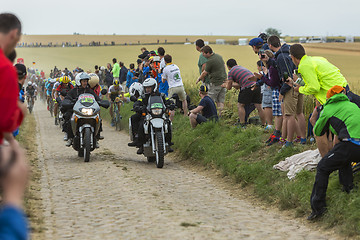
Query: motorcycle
156	126
85	124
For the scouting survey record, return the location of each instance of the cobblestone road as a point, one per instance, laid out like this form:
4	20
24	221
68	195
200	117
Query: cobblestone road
118	195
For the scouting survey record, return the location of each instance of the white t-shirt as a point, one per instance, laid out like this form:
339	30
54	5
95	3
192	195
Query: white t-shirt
162	63
172	74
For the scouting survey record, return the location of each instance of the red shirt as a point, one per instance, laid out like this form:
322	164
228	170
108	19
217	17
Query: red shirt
11	115
97	90
67	87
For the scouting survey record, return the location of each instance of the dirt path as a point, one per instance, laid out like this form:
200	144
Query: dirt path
118	195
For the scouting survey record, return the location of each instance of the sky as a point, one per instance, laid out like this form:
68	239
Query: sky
187	17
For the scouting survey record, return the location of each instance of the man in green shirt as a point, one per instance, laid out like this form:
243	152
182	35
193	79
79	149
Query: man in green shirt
199	44
215	69
116	69
341	117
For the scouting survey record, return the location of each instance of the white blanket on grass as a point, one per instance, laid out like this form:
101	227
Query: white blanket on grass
307	160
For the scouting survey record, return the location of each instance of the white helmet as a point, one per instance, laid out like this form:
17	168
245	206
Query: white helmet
102	68
136	87
94	80
29	83
150	82
81	76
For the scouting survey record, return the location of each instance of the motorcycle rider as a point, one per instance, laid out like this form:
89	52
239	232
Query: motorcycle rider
82	86
136	91
150	89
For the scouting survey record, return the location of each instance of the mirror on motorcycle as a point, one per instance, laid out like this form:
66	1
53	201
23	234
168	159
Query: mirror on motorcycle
103	92
133	99
104	103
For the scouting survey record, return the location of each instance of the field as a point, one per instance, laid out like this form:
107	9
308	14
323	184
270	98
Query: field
346	56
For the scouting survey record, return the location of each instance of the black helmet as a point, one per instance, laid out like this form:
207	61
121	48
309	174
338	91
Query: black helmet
263	36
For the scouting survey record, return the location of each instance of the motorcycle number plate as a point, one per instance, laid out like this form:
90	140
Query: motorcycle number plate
156	105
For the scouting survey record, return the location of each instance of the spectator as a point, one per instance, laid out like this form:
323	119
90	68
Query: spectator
115	70
144	53
13	169
101	75
122	75
199	44
171	74
163	86
108	76
130	77
266	97
243	79
206	107
341	117
257	44
161	52
215	68
293	101
272	80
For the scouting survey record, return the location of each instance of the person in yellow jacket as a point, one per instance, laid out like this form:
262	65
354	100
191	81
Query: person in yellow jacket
318	74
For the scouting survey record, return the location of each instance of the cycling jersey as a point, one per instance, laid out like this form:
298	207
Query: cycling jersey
56	85
30	91
66	86
49	86
113	92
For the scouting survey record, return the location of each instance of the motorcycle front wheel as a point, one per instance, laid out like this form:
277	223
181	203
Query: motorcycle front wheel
159	150
87	144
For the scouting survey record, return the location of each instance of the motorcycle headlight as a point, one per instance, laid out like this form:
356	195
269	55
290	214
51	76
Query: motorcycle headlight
87	111
156	111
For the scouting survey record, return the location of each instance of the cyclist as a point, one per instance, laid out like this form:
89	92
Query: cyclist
49	86
115	93
30	93
63	85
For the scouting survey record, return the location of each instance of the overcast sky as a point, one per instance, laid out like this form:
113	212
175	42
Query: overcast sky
187	17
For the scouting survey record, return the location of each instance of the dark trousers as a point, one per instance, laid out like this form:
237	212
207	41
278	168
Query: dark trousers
67	124
135	120
338	158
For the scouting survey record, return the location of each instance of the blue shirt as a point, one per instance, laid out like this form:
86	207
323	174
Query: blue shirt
129	79
163	87
209	110
13	224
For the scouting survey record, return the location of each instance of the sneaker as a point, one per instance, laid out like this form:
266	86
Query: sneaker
287	145
112	123
56	121
97	145
273	139
170	150
303	141
297	139
68	143
101	137
282	141
66	137
269	127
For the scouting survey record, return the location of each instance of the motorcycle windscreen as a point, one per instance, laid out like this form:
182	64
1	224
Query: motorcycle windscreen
86	100
155	102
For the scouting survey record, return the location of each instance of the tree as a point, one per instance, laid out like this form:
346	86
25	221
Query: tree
273	31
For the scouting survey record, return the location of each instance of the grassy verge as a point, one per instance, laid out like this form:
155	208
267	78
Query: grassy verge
32	203
241	154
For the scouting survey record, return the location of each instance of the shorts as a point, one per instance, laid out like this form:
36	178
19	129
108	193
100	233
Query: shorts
180	91
200	119
276	104
267	98
247	96
293	103
217	93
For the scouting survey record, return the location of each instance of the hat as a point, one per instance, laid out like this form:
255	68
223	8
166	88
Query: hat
257	42
334	90
20	69
203	88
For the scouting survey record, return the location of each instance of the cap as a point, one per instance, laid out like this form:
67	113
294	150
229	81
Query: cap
203	88
257	42
20	69
334	90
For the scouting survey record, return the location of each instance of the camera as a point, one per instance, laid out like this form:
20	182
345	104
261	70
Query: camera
262	53
286	76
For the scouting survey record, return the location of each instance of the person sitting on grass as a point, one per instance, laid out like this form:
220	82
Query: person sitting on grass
341	117
206	106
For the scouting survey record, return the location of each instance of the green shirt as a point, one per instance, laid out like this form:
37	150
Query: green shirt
116	70
340	116
319	76
202	61
215	67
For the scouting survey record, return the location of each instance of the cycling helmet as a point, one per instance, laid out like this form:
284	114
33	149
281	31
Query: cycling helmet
150	82
29	83
116	82
94	80
136	88
81	76
65	79
263	36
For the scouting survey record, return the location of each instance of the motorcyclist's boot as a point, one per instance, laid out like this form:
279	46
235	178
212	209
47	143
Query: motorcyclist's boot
56	121
66	137
97	145
140	150
68	143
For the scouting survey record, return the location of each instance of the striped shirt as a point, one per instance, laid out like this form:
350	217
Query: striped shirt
241	75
